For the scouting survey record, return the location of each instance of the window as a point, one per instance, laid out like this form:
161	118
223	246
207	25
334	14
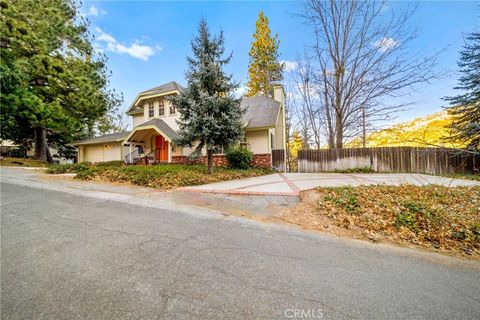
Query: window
173	110
272	140
150	110
161	108
218	150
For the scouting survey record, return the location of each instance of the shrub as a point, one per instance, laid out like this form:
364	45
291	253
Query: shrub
356	170
115	163
239	158
68	168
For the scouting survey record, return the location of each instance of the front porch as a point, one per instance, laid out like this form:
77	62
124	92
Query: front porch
150	144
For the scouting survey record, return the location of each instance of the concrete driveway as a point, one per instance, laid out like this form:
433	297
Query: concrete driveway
292	183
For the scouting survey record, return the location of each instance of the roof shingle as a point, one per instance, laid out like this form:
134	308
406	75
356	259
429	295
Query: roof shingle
260	111
161	125
170	86
114	137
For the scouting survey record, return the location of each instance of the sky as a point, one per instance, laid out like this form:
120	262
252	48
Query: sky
147	42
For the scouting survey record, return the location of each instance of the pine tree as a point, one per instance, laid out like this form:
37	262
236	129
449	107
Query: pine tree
264	69
54	87
210	115
465	108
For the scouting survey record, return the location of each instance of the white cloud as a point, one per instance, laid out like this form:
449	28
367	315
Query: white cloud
386	44
136	49
95	12
240	91
290	65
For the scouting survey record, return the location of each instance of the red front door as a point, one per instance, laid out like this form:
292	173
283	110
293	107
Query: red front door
161	145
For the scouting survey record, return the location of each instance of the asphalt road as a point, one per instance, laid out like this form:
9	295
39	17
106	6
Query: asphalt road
66	256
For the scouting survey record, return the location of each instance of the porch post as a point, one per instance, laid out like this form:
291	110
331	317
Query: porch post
170	146
130	153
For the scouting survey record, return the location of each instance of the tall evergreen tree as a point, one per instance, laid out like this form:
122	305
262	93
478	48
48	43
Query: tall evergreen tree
210	115
465	107
54	87
264	69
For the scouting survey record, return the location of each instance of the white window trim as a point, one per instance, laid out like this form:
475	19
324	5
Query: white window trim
150	104
160	103
222	151
170	110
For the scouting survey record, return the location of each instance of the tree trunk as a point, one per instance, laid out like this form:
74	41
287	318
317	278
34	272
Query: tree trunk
49	155
210	161
40	144
339	132
364	129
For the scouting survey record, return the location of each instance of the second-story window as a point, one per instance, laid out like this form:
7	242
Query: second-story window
173	110
161	108
151	110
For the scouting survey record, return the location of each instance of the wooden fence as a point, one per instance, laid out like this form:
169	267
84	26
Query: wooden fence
278	159
390	159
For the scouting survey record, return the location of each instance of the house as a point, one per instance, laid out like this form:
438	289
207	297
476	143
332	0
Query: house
155	128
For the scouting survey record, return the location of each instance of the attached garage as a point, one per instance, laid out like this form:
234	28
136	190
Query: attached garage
102	152
101	149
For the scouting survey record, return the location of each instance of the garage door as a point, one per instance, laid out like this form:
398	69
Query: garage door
112	152
93	153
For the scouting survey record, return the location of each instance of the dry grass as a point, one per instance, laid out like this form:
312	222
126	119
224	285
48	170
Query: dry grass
21	162
435	217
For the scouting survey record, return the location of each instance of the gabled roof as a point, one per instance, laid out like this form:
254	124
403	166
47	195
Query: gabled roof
114	137
260	111
161	125
167	87
171	86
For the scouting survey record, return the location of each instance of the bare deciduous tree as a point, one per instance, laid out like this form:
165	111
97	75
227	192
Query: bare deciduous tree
359	58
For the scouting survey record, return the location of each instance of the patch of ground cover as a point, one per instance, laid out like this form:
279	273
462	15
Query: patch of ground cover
21	162
474	177
445	219
167	176
356	170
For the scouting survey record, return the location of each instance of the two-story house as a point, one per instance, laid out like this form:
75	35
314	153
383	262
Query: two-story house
155	130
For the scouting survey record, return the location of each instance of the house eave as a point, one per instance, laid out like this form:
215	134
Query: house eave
76	144
147	95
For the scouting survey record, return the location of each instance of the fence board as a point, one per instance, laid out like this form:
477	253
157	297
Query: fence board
388	159
278	159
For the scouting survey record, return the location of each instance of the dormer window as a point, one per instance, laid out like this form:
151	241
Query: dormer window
173	110
161	108
151	110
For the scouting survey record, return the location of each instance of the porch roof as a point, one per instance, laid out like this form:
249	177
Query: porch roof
158	125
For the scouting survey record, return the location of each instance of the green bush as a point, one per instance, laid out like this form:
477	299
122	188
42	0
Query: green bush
356	170
68	168
239	158
115	163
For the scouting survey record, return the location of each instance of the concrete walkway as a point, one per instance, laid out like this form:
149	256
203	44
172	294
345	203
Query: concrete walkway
290	184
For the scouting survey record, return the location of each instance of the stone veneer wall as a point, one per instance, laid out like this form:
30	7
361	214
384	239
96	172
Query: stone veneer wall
263	160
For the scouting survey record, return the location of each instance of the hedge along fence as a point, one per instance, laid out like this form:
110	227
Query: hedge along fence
390	159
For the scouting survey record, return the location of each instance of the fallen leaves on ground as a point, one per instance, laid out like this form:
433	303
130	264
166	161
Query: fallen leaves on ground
21	162
443	218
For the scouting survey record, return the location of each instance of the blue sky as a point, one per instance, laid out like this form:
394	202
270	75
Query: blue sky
146	42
